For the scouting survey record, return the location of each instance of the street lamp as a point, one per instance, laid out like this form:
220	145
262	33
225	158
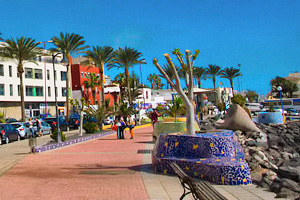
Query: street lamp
279	88
55	95
45	73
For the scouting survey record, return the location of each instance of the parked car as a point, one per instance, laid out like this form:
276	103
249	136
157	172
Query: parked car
45	128
23	129
11	120
291	112
74	121
107	121
8	133
63	124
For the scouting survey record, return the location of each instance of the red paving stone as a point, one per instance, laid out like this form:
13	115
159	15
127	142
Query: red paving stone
57	174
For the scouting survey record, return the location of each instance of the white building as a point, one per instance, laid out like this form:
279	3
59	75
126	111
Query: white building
38	81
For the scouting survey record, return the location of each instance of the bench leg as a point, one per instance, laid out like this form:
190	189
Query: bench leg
184	194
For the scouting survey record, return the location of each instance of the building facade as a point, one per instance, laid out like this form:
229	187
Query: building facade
295	78
38	81
82	73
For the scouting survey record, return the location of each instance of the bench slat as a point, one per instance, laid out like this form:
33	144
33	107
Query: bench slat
200	189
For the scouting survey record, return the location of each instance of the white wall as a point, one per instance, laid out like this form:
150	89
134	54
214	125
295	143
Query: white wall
15	81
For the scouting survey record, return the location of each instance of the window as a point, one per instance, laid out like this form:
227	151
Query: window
1	70
63	76
28	73
11	90
48	74
10	70
2	89
38	74
89	75
56	91
49	92
55	75
64	92
39	91
81	74
29	91
85	74
19	93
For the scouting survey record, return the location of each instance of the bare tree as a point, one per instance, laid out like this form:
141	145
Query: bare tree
187	98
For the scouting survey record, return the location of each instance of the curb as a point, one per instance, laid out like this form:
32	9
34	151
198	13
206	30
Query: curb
70	142
78	140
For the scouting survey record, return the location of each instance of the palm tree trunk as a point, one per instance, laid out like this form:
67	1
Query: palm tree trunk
127	82
102	84
22	93
231	84
199	82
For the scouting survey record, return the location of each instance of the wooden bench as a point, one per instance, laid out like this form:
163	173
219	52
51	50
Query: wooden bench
200	189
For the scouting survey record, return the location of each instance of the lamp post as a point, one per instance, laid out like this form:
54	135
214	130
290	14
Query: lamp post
63	62
279	88
55	95
45	72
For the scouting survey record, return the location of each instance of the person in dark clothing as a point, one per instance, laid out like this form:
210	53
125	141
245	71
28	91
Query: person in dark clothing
154	117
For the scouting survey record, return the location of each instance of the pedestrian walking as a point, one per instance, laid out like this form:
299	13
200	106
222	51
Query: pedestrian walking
122	128
30	123
118	124
154	117
38	127
130	124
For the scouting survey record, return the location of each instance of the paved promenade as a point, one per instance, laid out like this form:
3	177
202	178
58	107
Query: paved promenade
103	168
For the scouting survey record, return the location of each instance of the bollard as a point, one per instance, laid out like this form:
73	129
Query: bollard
32	143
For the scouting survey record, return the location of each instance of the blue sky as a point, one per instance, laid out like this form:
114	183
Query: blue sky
262	36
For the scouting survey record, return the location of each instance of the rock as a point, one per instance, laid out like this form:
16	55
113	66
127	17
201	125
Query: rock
289	172
292	185
250	142
276	185
262	140
287	193
286	155
274	153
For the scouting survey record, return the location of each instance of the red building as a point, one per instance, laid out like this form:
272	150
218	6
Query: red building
80	74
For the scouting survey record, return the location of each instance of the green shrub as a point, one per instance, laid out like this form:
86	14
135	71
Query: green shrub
54	136
90	127
239	99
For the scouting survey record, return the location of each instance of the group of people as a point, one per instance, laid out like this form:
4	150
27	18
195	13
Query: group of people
38	127
122	124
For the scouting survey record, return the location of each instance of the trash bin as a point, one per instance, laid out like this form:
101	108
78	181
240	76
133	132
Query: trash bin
32	143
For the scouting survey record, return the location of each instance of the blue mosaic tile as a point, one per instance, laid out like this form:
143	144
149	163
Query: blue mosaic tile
216	157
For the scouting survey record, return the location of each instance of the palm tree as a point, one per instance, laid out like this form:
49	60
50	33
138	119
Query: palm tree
125	58
68	45
230	74
168	71
21	50
92	83
100	56
151	78
120	79
199	73
213	71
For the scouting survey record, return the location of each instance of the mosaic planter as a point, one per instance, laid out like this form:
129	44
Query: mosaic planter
270	118
216	157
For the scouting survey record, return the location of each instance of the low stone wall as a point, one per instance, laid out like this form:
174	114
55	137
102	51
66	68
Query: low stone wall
216	157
